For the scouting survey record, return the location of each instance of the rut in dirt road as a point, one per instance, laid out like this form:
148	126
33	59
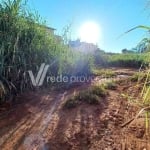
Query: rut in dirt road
30	129
37	135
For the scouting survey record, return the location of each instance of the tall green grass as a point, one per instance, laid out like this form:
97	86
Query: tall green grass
144	100
25	43
133	60
128	60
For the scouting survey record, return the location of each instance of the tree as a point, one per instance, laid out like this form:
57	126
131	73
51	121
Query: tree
124	51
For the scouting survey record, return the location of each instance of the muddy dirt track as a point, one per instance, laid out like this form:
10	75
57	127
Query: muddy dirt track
41	123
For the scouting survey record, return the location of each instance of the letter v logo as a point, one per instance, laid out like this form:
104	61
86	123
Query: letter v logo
38	81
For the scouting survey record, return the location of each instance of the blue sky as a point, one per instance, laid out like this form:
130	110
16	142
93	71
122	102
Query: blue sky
113	16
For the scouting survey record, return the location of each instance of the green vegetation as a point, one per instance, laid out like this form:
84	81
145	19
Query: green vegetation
142	80
145	93
98	90
111	85
25	43
105	73
92	95
133	60
139	77
145	96
129	60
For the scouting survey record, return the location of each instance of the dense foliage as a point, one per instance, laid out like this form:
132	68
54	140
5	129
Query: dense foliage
133	60
25	43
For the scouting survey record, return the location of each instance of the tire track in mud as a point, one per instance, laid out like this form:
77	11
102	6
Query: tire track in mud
15	137
20	129
35	138
34	133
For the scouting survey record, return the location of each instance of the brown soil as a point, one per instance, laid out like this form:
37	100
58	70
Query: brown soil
41	123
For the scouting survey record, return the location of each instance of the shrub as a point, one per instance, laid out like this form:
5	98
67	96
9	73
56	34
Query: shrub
93	99
88	97
98	90
110	85
92	95
71	103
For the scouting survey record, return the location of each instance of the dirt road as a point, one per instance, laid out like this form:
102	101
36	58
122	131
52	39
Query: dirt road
42	124
26	124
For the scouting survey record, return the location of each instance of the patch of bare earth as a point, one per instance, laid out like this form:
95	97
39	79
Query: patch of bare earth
99	127
43	124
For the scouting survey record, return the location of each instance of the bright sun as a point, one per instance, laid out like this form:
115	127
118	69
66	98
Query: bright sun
89	32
